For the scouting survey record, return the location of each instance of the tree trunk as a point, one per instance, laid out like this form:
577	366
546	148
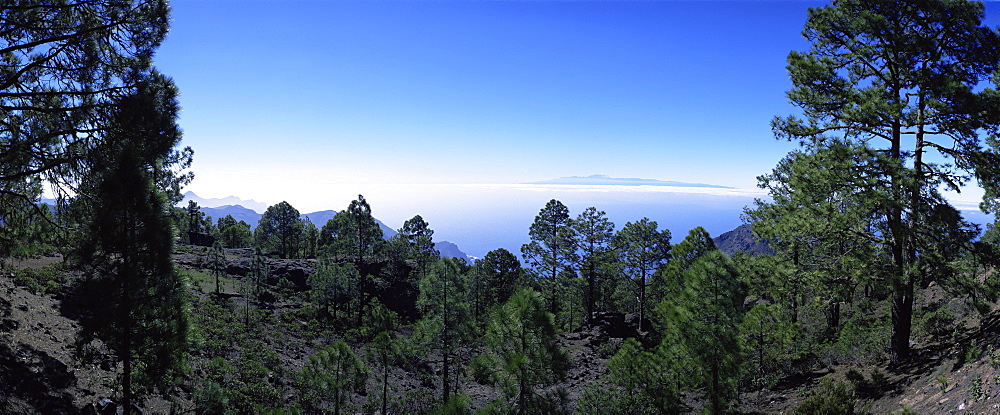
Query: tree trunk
385	385
126	354
446	349
902	317
642	298
590	293
833	316
902	296
902	288
125	349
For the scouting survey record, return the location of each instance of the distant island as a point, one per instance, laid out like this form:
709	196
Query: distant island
605	180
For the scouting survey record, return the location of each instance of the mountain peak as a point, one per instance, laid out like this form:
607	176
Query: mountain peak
251	204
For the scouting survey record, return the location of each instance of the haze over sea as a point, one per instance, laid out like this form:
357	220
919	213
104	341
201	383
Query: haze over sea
481	218
445	108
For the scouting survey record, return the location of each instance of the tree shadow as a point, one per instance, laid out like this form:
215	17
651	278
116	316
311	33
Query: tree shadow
34	381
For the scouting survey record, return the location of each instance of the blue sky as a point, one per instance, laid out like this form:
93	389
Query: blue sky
441	108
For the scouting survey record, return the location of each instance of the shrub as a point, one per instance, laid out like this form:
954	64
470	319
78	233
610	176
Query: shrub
44	280
832	398
861	344
211	398
481	369
938	322
458	404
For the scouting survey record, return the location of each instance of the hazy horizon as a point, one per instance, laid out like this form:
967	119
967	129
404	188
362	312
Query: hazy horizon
487	217
443	108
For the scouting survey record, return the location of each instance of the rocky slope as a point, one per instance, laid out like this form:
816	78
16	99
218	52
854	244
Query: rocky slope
41	369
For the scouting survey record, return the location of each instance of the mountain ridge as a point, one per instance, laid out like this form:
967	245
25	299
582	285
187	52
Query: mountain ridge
250	204
742	239
319	218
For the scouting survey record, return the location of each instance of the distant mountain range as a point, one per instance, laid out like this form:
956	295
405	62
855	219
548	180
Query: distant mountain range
253	205
604	180
319	219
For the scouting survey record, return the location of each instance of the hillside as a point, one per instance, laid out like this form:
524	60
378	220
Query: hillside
742	239
41	370
240	213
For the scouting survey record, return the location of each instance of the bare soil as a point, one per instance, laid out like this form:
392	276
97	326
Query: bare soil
41	371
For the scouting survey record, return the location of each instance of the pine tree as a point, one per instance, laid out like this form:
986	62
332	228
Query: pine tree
496	277
704	323
638	381
66	66
280	229
217	264
445	324
594	233
419	240
330	374
127	242
552	250
233	234
354	233
884	75
523	354
642	250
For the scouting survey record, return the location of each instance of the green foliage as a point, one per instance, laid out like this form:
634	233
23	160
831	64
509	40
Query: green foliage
976	391
942	380
969	352
457	404
860	343
194	222
27	230
832	398
66	66
254	285
938	322
878	94
419	243
669	283
308	239
329	375
233	234
217	264
280	229
333	286
126	241
522	353
642	250
383	351
638	382
445	325
768	338
495	278
552	250
45	280
994	357
353	233
242	386
703	325
211	399
868	387
594	234
216	326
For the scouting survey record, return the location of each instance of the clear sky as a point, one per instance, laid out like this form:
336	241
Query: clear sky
441	108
